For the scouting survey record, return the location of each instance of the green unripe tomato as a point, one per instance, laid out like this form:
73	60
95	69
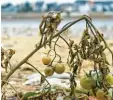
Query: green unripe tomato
48	71
100	95
59	68
87	83
109	79
46	60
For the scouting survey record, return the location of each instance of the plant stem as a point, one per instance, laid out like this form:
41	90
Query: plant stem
12	88
38	47
100	36
38	72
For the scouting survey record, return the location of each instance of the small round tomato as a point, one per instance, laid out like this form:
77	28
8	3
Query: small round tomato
48	71
46	60
92	98
59	68
109	79
87	83
100	95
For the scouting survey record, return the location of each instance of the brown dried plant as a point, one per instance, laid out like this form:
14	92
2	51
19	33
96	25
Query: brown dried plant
89	48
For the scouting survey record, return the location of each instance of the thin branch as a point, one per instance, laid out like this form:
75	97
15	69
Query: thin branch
96	31
38	47
12	88
54	50
91	28
38	72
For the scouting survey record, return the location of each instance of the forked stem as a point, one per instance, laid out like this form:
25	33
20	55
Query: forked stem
37	48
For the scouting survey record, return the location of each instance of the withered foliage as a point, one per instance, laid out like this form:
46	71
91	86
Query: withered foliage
91	47
6	55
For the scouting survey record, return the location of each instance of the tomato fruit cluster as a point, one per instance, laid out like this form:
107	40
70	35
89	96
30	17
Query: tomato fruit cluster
59	68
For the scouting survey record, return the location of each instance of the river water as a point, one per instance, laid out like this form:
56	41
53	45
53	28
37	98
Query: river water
104	25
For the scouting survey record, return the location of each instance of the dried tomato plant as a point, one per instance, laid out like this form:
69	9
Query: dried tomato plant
91	47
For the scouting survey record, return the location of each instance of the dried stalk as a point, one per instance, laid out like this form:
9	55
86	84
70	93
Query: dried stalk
37	48
75	55
13	89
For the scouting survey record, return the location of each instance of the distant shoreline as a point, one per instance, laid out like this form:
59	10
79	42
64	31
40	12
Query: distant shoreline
35	16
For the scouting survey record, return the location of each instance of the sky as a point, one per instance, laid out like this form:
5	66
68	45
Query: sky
46	1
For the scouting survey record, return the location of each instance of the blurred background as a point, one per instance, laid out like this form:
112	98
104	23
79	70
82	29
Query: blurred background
28	13
68	6
20	20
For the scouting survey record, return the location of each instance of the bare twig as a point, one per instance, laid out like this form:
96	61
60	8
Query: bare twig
13	89
37	48
39	72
